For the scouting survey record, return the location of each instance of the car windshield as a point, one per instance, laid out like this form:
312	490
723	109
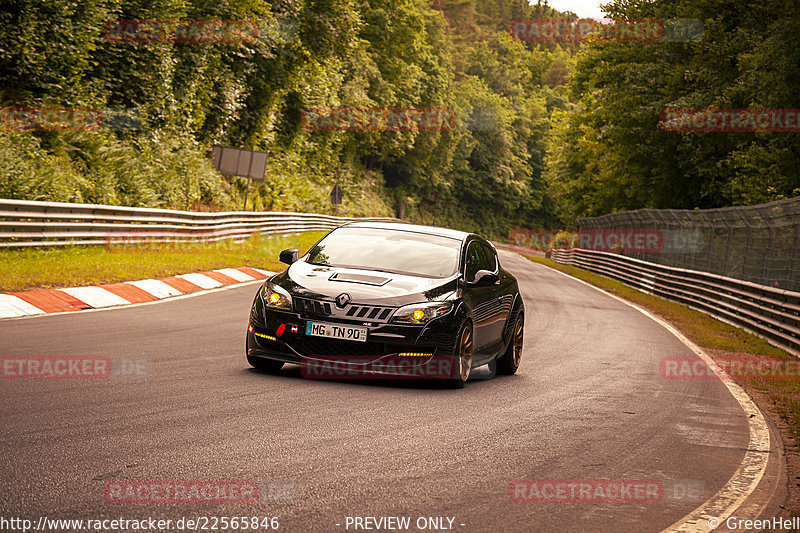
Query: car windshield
396	251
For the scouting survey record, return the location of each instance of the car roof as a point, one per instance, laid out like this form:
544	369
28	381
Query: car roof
401	226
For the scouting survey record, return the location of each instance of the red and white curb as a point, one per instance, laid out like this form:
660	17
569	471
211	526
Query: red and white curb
43	301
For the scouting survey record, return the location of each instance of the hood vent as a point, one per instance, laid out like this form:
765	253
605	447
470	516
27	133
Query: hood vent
365	279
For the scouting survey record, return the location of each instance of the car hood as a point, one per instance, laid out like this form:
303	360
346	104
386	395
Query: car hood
364	286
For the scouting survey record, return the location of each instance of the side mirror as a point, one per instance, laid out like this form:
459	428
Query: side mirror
485	277
290	256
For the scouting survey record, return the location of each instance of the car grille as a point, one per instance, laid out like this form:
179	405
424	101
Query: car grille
309	307
368	312
312	307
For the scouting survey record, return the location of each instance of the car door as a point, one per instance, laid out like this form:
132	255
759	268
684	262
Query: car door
481	299
501	303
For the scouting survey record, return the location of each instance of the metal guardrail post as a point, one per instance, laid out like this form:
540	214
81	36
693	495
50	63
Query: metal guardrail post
746	250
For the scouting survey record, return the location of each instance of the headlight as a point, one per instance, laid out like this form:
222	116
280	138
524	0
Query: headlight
421	313
276	297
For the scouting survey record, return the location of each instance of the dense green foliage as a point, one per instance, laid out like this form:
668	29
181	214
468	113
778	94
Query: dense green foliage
608	153
485	173
544	132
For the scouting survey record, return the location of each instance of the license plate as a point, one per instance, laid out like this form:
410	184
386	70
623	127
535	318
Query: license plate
336	331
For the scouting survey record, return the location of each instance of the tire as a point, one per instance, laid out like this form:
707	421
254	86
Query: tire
265	365
462	357
508	363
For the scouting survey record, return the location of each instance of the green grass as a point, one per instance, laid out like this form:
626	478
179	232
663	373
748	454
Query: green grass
720	340
74	266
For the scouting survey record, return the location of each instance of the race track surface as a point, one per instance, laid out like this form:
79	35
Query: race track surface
589	402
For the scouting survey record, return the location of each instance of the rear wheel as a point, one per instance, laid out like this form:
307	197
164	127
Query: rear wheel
462	357
266	365
508	363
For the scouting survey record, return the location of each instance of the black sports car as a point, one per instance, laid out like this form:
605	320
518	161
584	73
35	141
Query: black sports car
389	300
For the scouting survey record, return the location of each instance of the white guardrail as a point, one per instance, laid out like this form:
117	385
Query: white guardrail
28	223
771	313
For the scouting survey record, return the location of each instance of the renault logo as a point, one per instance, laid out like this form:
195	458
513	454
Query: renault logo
342	300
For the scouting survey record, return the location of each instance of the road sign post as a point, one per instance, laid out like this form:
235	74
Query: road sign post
336	197
250	164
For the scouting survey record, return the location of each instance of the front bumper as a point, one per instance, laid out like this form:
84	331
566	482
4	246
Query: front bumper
391	350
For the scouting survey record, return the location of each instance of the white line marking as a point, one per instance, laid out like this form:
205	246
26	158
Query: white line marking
747	477
202	281
156	287
235	274
11	305
96	296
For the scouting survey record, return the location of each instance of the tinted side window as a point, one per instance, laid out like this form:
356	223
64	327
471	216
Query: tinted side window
489	259
474	260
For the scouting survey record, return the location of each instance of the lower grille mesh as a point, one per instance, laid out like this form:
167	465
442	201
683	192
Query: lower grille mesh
319	346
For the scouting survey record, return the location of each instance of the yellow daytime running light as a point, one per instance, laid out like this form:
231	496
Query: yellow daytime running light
268	337
419	314
414	354
274	298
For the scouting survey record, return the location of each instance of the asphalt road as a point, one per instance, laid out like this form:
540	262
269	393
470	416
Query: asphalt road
588	402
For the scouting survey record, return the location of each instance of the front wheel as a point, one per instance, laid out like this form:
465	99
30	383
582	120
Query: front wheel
508	363
462	357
